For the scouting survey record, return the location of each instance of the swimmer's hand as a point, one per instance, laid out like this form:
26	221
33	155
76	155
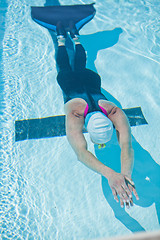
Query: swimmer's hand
122	186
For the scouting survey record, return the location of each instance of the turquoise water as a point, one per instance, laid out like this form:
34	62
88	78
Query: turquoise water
45	192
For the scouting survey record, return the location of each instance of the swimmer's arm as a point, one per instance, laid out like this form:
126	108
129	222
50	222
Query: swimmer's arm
74	126
121	123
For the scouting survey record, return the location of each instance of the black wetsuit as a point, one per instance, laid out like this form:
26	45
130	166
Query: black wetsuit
79	82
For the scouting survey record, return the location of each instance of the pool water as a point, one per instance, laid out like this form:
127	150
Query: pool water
45	192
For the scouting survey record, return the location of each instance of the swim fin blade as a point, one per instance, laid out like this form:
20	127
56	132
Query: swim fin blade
49	16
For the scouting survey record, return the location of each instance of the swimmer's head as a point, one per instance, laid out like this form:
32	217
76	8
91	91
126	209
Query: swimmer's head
99	127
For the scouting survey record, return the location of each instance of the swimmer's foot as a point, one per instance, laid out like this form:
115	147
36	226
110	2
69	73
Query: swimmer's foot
61	40
74	32
76	41
61	34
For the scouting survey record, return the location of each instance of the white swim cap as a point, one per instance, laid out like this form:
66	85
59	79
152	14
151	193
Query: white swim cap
99	127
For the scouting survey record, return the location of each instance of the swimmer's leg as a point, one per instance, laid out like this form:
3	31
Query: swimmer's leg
80	54
65	74
62	58
80	58
61	34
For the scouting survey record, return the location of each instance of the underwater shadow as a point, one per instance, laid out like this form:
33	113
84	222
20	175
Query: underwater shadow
146	170
98	41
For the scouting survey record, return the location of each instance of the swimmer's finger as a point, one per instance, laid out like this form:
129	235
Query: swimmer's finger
127	190
135	193
115	194
130	181
131	203
121	203
128	205
132	186
131	189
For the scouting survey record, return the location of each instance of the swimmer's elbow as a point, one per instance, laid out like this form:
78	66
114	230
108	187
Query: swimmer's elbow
120	120
115	111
